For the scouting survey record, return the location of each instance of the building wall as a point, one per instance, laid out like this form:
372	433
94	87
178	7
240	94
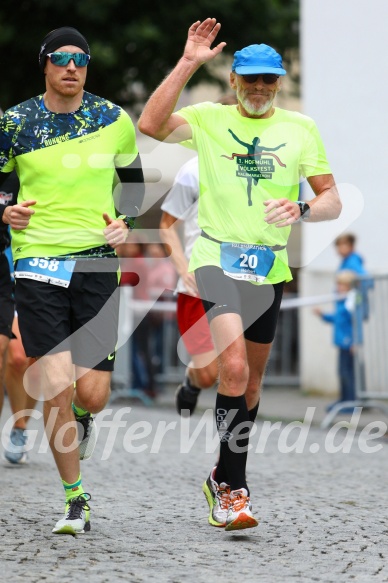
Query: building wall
344	88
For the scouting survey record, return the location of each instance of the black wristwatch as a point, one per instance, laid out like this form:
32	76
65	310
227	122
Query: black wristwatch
129	221
304	210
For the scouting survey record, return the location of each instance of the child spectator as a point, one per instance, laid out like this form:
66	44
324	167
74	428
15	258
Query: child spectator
345	246
344	336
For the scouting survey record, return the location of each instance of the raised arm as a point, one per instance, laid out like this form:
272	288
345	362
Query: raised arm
158	119
238	139
274	149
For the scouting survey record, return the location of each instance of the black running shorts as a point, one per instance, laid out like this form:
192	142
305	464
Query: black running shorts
258	305
7	303
82	318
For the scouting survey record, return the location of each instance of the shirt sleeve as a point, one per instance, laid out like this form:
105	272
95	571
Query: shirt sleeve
7	161
127	148
328	318
354	263
314	161
194	115
184	192
9	189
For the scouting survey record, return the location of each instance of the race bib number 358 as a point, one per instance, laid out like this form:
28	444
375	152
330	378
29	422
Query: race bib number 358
46	270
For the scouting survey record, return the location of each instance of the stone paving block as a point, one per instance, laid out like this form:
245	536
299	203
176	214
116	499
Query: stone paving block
322	515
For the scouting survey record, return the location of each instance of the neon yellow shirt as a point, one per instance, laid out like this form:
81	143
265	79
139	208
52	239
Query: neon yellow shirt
66	162
243	162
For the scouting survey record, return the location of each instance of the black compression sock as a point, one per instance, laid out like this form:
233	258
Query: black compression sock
230	412
253	412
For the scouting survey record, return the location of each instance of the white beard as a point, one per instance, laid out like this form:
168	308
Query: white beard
253	109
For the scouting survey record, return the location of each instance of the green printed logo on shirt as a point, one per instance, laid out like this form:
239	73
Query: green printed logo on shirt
258	163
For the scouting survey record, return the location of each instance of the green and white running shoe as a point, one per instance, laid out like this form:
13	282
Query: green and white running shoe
76	519
88	435
217	496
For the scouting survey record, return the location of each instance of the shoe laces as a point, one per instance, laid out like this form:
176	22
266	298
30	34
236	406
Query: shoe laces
77	505
223	496
238	501
86	422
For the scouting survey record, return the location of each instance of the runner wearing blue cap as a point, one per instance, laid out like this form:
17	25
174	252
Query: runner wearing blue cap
252	158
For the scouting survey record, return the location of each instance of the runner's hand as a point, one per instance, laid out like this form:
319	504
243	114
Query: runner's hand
190	284
18	216
199	40
116	231
281	212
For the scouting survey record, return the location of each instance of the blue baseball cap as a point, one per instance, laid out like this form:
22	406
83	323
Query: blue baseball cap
257	59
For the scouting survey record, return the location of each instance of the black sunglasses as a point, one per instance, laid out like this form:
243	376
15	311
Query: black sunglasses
268	78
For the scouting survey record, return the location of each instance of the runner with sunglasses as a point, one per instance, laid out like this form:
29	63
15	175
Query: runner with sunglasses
240	261
69	149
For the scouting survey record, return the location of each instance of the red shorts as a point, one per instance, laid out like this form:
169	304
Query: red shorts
189	310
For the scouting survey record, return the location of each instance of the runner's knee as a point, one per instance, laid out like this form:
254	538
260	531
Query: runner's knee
17	360
94	400
205	378
235	373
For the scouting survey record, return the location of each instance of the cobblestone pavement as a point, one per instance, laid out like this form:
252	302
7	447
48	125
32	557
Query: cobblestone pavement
323	515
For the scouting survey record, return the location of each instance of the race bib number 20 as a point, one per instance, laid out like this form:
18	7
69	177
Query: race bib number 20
246	262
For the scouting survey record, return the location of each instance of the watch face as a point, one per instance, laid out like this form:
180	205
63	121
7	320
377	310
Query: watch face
304	208
130	222
306	212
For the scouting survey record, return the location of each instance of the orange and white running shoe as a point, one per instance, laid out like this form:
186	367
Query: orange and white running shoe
240	511
217	496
